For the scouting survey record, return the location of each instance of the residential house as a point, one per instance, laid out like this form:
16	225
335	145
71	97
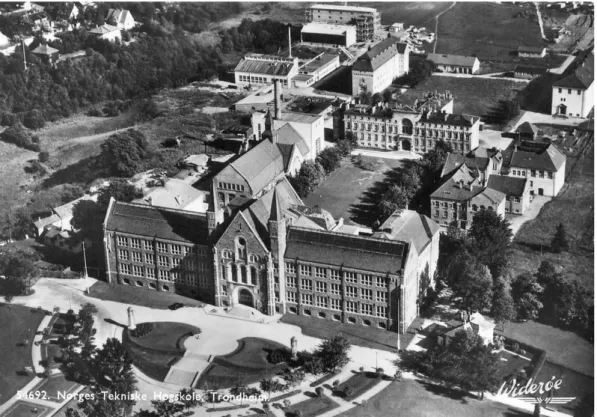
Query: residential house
476	323
528	72
61	216
107	32
531	52
123	19
572	96
517	191
47	53
375	70
397	27
528	131
459	64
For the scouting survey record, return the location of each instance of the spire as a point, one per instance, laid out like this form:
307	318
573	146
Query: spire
276	209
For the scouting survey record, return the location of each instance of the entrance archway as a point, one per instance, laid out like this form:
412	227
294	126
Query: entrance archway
245	297
406	145
562	109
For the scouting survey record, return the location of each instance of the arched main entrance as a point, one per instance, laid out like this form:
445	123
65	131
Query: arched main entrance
245	297
406	145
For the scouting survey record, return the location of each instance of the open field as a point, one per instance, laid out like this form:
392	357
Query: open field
411	13
574	207
574	384
27	409
422	399
343	187
359	383
312	407
474	96
17	324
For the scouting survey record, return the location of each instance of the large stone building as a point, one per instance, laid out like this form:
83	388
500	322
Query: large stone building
260	246
413	126
572	96
367	20
375	70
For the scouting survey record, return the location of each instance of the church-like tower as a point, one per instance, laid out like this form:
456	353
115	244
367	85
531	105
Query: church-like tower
277	235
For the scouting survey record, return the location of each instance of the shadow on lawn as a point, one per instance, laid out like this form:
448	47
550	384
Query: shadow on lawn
451	393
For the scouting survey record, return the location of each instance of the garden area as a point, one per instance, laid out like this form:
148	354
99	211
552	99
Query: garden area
357	385
312	407
18	326
250	362
27	409
154	347
56	384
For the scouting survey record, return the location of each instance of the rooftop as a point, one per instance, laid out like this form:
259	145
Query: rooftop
103	29
326	28
533	155
176	194
535	49
449	119
379	54
409	226
507	185
341	8
457	60
582	77
300	117
160	222
263	65
260	165
119	15
44	50
525	69
66	210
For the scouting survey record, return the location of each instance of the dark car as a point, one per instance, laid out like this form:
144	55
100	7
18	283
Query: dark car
176	306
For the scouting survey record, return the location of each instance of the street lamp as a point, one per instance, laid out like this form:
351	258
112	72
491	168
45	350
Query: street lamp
85	268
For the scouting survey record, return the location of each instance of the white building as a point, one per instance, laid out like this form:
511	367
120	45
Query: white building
367	20
258	69
315	69
572	96
316	32
455	63
375	70
123	18
107	32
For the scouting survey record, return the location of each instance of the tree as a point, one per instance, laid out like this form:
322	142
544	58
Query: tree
88	217
491	235
395	199
435	159
43	156
123	152
293	377
19	271
502	307
166	408
333	352
330	159
188	398
559	243
376	98
120	190
526	294
270	385
475	287
418	72
21	223
71	412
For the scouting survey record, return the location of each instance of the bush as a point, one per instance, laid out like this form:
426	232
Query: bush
17	135
515	347
34	120
319	391
330	159
278	356
95	112
43	156
142	330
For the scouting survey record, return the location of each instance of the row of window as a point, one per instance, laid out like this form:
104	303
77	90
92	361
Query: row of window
578	92
335	289
230	186
336	304
241	274
337	317
534	173
163	261
259	80
136	243
188	278
227	254
349	277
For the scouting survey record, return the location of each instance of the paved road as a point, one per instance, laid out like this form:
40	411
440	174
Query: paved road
397	155
532	117
531	212
484	76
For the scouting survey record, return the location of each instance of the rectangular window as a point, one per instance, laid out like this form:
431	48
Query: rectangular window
147	245
319	272
559	90
125	269
366	280
176	262
290	268
307	299
381	282
176	249
136	257
335	275
321	286
382	311
122	241
150	272
366	294
335	289
163	275
351	291
277	296
550	175
335	304
533	173
175	276
381	297
541	174
136	243
367	309
305	270
137	270
162	247
351	277
291	297
579	92
291	282
321	301
163	261
351	307
306	284
123	254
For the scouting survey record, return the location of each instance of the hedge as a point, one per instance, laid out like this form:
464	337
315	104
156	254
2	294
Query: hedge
323	379
231	408
284	396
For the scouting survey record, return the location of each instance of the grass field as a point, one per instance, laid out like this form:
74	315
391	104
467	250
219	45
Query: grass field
421	399
411	13
574	207
474	96
139	296
27	409
313	407
573	384
359	383
344	187
17	323
166	336
510	364
54	385
488	30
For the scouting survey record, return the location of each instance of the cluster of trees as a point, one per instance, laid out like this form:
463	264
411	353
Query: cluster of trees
18	135
312	173
419	70
186	399
19	271
266	36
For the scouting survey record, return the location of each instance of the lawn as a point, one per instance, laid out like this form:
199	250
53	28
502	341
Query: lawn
17	323
474	96
411	13
139	296
248	362
55	384
344	187
359	383
573	384
421	399
27	409
511	364
488	30
156	352
574	207
562	347
357	335
312	407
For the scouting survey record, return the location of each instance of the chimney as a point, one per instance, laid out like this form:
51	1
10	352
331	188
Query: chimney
277	100
289	43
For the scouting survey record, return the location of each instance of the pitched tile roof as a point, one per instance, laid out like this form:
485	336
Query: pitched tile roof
489	196
455	161
525	69
451	190
260	165
359	252
256	66
65	211
44	50
163	223
289	136
581	78
409	226
449	119
527	127
119	15
103	29
379	54
456	60
507	185
533	155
